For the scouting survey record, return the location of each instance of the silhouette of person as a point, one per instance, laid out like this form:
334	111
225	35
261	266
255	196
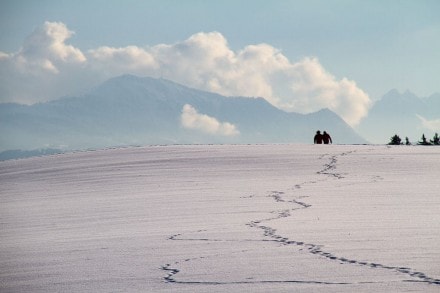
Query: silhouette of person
326	138
318	137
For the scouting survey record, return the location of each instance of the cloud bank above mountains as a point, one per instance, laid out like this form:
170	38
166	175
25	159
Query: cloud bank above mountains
47	67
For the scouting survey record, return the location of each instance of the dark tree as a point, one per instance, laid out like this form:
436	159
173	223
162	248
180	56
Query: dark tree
395	140
436	139
407	142
424	141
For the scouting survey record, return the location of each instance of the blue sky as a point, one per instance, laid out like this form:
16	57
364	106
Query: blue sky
377	45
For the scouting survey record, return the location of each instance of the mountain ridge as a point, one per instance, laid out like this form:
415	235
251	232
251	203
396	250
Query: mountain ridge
132	110
399	113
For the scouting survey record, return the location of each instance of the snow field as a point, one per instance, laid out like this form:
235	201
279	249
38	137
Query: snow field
216	218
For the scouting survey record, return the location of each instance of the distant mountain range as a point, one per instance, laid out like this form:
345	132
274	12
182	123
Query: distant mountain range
403	114
130	110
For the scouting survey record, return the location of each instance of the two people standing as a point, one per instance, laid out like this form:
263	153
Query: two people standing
322	138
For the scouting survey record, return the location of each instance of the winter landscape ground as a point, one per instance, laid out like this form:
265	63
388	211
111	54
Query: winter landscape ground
223	218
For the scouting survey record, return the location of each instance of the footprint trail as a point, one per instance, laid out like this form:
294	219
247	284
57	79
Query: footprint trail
329	170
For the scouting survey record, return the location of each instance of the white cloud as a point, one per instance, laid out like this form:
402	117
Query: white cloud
315	88
114	61
191	119
46	47
433	125
44	68
204	61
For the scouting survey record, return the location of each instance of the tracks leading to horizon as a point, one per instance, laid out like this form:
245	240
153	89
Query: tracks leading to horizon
293	204
329	169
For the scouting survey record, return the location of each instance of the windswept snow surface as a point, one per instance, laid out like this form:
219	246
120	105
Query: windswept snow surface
228	218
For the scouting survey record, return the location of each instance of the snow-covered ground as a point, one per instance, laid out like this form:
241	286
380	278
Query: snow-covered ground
209	218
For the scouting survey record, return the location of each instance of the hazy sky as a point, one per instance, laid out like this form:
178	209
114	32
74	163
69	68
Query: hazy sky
358	49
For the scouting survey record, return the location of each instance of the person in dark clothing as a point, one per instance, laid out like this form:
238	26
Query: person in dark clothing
326	138
318	137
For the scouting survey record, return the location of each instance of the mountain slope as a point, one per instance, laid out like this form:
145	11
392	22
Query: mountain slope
130	110
400	113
